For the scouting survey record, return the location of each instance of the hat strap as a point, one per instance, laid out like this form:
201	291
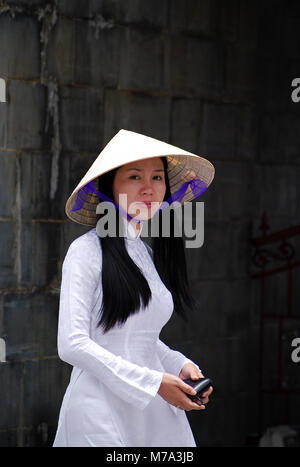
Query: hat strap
197	185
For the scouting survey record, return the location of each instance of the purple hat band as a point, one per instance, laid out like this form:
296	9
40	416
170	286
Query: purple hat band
197	186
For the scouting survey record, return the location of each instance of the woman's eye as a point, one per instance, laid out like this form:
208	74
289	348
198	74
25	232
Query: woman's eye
156	177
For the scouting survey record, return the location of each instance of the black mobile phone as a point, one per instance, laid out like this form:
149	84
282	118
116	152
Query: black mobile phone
200	385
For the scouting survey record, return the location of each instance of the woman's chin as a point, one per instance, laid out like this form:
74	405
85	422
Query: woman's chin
142	216
144	213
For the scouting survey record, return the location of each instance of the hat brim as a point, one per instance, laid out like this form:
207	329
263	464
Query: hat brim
181	168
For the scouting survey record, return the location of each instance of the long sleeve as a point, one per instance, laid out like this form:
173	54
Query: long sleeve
172	360
80	281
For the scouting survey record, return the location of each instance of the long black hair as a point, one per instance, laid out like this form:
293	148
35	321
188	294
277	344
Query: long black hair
125	288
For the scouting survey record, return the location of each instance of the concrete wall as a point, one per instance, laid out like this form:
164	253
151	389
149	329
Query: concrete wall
211	77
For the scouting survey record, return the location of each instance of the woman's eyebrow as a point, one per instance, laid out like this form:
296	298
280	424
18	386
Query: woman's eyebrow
141	170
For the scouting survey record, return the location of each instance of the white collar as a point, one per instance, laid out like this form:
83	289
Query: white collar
129	231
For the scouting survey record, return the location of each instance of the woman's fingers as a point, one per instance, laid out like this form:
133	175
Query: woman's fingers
186	388
196	374
205	396
175	391
207	393
193	405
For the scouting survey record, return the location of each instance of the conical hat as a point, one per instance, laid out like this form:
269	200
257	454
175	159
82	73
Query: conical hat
128	146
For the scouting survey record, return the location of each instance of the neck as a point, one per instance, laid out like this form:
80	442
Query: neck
132	228
136	226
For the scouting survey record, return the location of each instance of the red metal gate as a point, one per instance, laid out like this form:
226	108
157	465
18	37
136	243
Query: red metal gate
275	254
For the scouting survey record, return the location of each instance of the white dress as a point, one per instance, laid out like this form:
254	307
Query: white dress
112	397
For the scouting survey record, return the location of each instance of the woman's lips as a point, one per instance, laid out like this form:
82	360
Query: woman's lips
147	203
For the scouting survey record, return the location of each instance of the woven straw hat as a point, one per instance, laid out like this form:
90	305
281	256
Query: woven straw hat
128	146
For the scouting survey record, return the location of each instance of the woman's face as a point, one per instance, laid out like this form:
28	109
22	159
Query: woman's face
139	187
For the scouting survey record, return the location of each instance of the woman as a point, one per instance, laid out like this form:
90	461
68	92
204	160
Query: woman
126	387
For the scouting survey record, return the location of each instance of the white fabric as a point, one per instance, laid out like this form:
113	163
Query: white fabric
112	397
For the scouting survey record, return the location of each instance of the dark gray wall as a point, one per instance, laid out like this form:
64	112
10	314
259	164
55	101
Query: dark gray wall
211	77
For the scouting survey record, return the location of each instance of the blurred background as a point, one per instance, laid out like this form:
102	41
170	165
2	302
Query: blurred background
213	77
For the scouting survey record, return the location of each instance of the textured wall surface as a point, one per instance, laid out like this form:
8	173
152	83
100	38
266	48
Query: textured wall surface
211	77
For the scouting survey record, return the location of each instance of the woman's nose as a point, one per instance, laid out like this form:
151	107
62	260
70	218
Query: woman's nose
147	188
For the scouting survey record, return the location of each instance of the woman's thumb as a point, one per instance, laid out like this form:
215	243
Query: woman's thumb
187	388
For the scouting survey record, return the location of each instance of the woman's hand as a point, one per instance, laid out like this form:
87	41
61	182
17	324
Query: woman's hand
175	391
189	370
